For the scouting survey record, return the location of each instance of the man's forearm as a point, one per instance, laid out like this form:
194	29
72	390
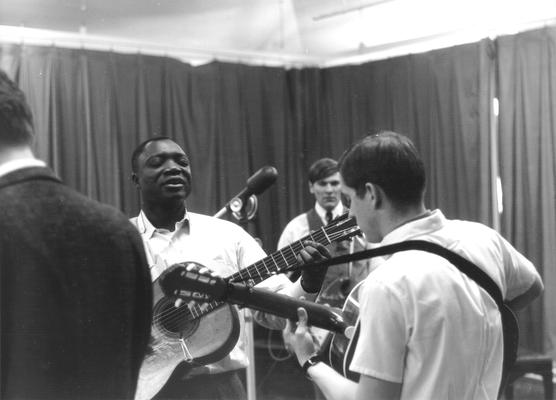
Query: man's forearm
296	291
333	385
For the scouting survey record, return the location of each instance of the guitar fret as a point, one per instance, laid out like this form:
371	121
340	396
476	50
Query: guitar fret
253	272
311	237
267	270
273	260
284	258
291	250
325	235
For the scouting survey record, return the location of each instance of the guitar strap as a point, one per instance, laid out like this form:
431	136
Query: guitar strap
465	266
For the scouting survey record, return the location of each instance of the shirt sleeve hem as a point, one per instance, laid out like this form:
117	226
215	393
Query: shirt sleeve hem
378	375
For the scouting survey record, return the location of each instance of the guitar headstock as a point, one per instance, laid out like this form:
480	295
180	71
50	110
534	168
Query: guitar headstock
191	281
341	228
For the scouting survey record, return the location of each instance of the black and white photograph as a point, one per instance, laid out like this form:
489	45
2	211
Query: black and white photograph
277	199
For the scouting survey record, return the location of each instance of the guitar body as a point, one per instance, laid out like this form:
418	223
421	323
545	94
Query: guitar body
334	295
341	348
177	336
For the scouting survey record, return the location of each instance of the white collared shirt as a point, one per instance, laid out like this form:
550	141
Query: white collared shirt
220	245
299	226
20	163
427	325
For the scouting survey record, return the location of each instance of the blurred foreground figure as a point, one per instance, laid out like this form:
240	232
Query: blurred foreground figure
75	286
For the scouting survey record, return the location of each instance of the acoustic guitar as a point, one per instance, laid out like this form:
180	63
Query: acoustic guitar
204	333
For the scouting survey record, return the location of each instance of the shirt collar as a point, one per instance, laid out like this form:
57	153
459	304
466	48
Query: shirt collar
418	227
147	229
20	163
336	211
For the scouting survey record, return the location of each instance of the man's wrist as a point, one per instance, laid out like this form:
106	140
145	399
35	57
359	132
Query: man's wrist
312	360
311	287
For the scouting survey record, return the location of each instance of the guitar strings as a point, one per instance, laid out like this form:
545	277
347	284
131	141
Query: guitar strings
197	309
291	256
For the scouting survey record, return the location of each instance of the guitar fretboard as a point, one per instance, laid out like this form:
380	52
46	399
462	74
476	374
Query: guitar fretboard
281	259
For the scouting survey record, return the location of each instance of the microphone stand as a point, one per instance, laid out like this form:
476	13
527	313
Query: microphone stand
243	216
244	211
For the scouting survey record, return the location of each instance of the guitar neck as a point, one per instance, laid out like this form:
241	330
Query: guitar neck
342	229
268	266
279	260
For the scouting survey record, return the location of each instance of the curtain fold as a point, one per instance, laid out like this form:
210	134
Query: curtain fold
527	94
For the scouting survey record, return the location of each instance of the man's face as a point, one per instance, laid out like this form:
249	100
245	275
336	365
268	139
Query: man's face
362	208
327	191
163	172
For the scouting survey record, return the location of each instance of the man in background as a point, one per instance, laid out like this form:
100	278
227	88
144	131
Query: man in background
75	287
173	234
324	185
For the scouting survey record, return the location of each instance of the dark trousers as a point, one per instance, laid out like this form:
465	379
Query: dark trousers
224	386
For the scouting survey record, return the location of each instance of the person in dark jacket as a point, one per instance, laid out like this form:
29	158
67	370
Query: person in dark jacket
75	288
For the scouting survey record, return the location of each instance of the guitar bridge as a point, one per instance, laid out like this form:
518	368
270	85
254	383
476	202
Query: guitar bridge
186	354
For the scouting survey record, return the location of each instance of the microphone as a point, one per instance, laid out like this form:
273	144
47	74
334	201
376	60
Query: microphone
256	184
177	281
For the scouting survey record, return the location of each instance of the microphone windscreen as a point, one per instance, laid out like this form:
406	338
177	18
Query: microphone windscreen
262	180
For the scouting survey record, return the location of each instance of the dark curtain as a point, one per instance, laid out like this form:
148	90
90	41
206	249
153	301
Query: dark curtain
92	108
527	94
440	100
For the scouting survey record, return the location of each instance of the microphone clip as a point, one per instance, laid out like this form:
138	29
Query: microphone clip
245	211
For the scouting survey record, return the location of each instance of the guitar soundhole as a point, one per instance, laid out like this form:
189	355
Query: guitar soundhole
174	322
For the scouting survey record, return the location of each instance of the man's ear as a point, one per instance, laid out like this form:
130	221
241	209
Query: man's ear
375	193
135	179
311	188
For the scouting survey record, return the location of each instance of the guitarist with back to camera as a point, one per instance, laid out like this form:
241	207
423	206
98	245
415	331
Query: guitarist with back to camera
425	329
171	234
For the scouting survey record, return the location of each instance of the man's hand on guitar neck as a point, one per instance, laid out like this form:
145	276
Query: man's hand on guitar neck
312	278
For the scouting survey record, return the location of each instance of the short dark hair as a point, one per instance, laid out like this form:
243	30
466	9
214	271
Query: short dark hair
140	148
16	119
389	160
322	169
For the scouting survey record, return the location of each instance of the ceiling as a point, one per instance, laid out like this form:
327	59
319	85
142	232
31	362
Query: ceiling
268	32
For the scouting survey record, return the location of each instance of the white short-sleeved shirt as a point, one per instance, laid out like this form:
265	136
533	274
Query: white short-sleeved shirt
220	245
428	326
